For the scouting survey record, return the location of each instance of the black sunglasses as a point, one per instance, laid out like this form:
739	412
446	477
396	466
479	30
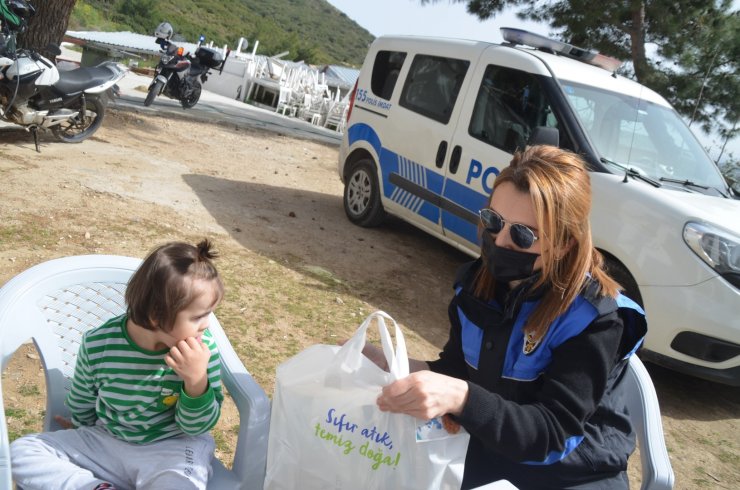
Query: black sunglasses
521	235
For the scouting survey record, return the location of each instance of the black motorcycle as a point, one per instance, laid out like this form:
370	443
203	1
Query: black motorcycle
180	76
35	95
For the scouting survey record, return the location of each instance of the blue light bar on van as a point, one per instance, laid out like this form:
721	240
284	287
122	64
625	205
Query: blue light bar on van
590	56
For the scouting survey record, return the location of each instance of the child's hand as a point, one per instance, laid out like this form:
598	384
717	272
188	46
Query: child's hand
63	422
189	359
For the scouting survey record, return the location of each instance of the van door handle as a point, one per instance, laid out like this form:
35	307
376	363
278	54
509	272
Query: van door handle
441	153
455	159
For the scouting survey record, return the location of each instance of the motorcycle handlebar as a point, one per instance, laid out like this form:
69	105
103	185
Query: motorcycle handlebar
37	57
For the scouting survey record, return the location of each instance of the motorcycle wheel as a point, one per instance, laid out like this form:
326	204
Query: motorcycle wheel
82	128
154	90
193	98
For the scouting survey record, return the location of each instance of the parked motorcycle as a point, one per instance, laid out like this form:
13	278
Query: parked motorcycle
179	75
34	94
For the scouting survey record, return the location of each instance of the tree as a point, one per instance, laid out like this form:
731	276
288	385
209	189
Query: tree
47	26
702	83
137	14
731	170
697	41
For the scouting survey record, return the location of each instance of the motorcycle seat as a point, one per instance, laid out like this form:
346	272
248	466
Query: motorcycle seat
77	80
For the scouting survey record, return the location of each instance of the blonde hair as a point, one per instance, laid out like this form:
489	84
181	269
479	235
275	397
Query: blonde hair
559	186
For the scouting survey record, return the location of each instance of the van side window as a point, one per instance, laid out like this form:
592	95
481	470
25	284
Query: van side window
385	72
432	86
509	105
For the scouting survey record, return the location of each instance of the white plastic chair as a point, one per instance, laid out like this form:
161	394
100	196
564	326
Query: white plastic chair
284	105
498	485
53	303
642	403
337	116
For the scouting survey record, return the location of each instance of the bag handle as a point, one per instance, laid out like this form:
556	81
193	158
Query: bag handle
349	355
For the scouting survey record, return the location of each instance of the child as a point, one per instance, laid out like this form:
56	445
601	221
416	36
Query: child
146	388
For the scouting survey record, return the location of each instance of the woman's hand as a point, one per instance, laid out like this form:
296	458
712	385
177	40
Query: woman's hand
425	395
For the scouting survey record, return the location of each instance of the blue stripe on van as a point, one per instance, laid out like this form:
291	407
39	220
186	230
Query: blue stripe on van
467	198
461	227
363	132
425	177
392	163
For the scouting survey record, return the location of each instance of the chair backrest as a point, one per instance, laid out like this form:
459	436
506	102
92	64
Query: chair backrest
55	302
642	403
285	95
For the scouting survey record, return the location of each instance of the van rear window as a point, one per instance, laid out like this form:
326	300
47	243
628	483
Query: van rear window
432	86
385	72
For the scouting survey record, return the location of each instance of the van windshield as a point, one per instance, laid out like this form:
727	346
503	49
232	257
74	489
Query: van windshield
647	137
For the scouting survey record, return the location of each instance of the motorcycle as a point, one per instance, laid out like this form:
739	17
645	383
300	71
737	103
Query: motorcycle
35	95
180	76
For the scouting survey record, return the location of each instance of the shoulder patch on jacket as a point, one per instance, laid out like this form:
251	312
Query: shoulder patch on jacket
528	367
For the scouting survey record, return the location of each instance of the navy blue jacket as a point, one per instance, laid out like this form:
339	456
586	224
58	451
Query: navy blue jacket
554	418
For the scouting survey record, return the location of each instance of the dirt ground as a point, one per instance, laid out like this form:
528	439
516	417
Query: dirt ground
297	272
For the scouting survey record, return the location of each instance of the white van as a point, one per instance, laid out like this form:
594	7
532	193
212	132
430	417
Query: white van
434	121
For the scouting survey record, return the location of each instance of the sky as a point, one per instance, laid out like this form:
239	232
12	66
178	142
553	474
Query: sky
450	19
441	19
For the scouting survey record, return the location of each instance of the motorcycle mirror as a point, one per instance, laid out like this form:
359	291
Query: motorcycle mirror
53	49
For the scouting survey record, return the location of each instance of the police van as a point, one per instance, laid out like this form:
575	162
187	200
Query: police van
433	121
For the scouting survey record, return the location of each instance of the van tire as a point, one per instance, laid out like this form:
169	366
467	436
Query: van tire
362	203
619	273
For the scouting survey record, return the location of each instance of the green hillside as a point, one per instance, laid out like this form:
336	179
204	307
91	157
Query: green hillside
311	30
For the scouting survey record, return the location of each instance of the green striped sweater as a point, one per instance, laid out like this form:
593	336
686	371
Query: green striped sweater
132	391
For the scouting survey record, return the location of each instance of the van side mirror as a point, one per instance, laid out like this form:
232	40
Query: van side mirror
542	135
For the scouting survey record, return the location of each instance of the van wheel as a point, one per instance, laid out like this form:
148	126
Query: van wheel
362	195
619	273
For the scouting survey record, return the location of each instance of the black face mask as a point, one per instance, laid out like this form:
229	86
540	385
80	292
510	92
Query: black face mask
506	264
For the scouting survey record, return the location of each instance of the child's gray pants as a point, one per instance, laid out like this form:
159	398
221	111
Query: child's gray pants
87	456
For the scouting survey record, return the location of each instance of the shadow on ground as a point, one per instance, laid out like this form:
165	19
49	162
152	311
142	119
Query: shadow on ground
684	397
395	267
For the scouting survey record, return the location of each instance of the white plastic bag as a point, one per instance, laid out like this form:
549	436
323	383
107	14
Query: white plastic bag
326	431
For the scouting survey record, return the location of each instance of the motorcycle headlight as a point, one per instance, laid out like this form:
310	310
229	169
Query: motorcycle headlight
717	247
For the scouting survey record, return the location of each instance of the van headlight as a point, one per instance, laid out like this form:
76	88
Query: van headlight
717	247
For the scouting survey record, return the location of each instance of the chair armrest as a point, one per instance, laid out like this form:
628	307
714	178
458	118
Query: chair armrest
250	457
657	473
5	473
